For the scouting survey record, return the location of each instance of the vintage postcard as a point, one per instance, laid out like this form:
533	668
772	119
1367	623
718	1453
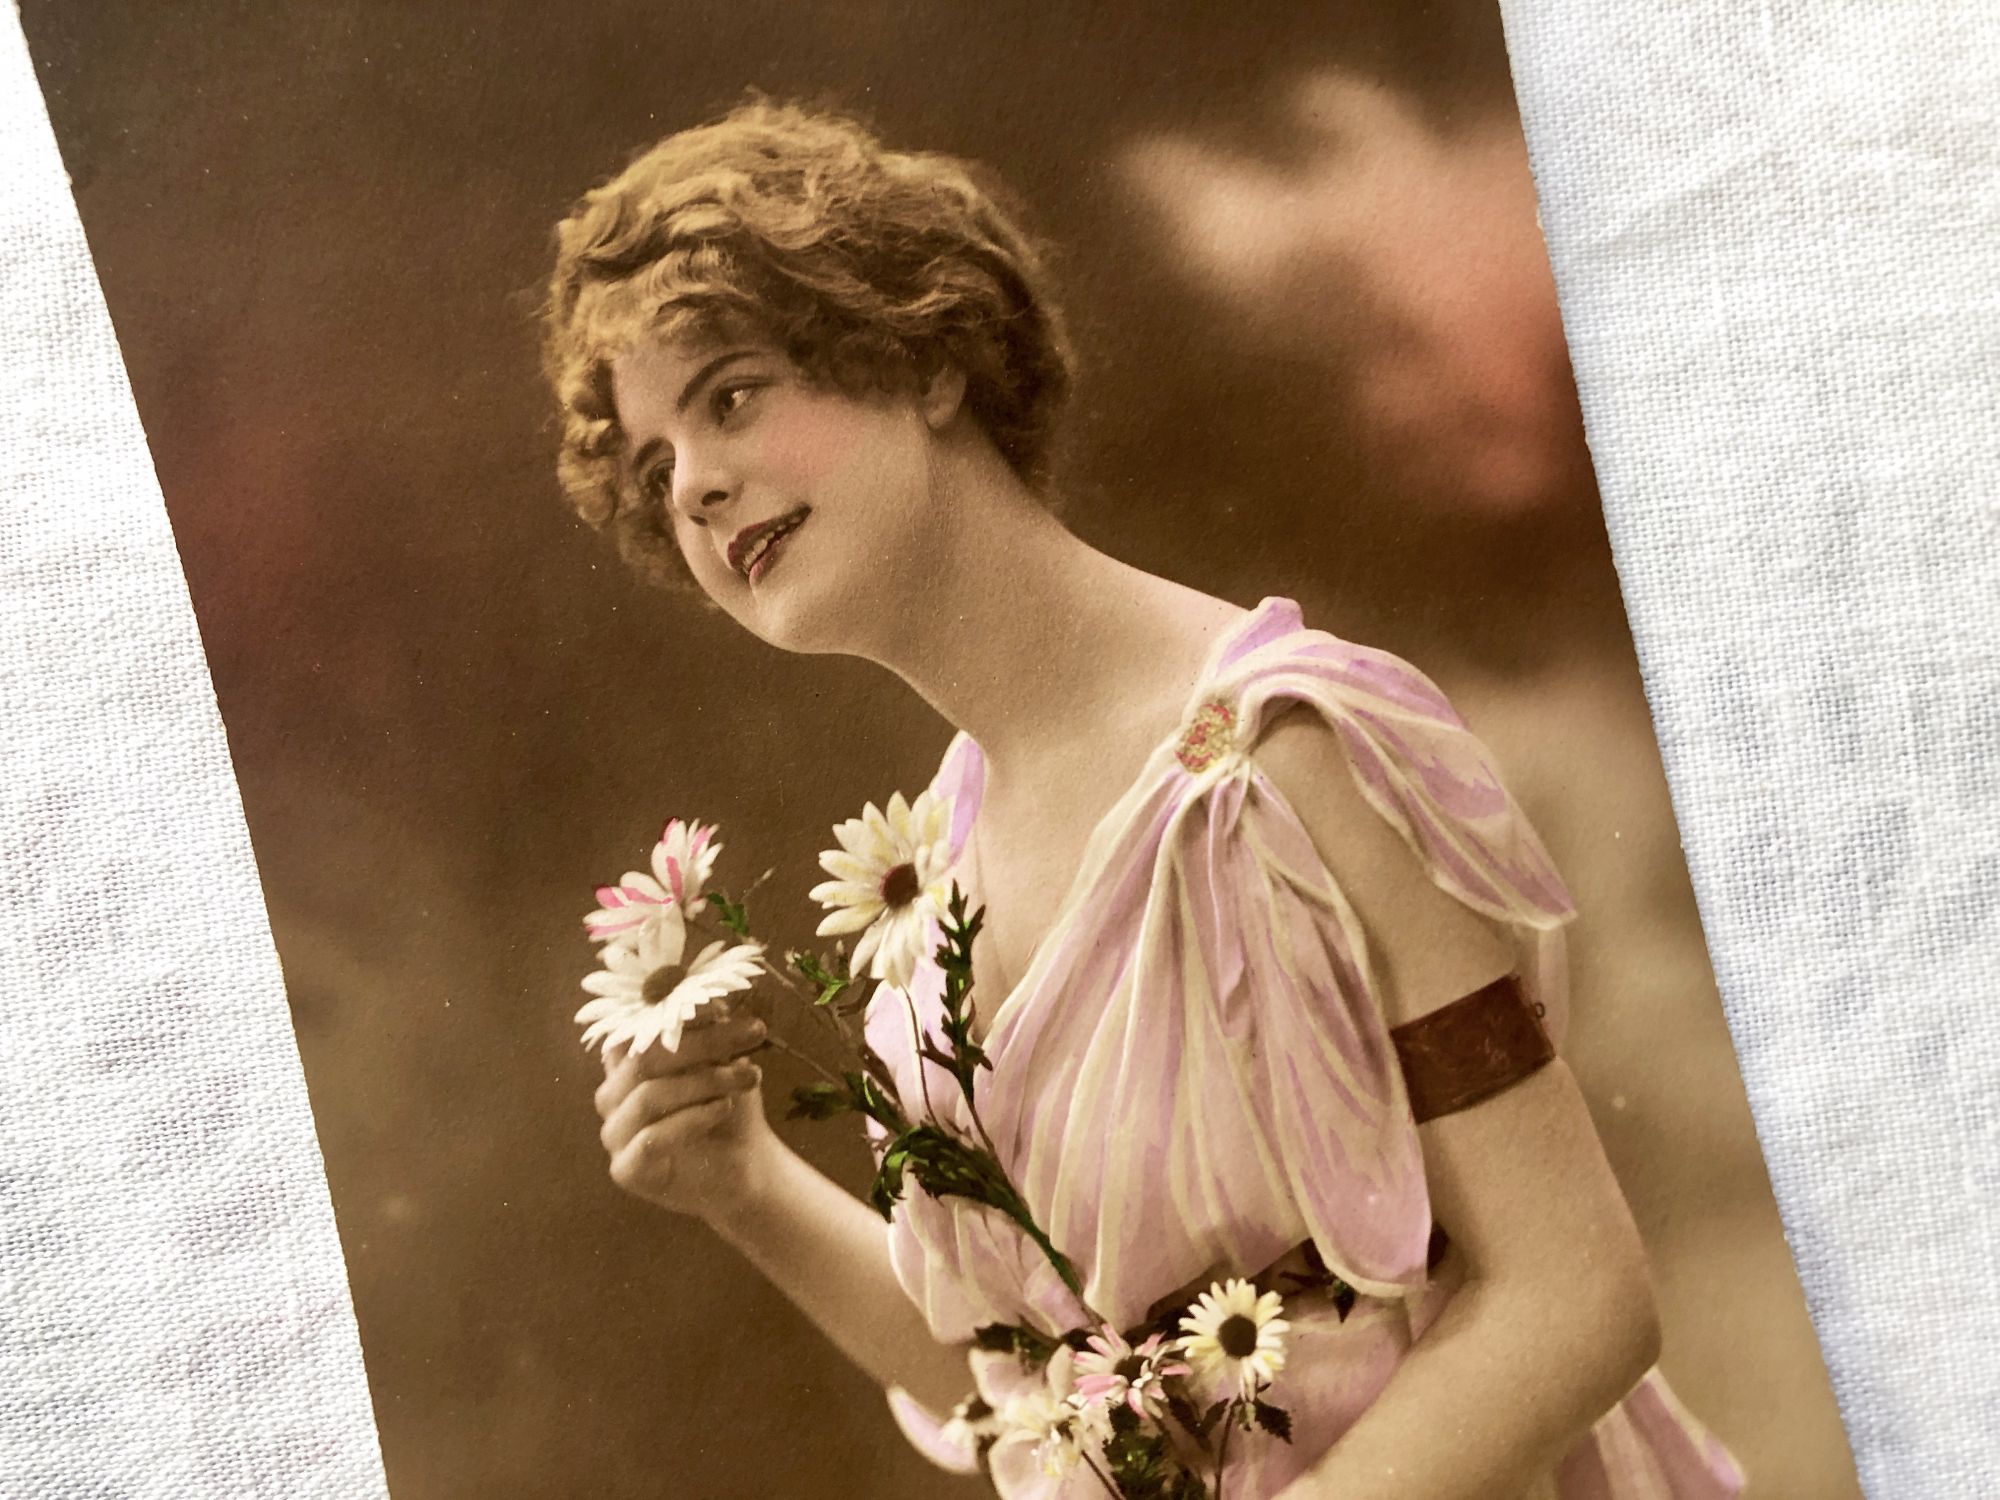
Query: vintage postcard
943	749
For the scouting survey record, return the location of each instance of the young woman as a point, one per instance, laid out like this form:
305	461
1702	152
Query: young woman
1266	940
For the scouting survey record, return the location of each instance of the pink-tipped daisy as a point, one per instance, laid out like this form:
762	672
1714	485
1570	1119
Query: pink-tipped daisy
1235	1339
1110	1370
682	861
888	883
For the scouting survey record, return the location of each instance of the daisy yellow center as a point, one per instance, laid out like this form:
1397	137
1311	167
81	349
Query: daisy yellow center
660	983
899	886
1237	1337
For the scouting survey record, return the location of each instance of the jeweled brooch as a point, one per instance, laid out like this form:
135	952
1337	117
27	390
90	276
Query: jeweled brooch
1210	735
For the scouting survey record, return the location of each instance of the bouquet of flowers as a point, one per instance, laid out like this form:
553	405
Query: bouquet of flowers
1150	1411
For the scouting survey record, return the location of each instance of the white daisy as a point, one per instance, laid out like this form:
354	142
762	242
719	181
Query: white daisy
682	861
888	883
1235	1339
644	994
1047	1419
972	1422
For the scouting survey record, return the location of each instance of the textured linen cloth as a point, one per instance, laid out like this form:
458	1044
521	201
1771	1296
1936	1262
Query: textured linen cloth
1774	232
174	1315
1195	1075
1772	228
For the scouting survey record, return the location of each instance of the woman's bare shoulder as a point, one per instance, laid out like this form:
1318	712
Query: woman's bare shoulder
1162	633
1183	626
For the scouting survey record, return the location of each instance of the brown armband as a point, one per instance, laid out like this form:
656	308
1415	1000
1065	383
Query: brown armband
1471	1049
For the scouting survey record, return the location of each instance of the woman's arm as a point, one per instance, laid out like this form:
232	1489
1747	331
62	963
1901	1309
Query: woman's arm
686	1130
829	1253
1555	1319
1554	1323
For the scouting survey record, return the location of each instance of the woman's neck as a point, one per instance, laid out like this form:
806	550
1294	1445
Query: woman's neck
1025	636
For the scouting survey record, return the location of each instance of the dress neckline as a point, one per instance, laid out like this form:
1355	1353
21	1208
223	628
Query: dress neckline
1096	845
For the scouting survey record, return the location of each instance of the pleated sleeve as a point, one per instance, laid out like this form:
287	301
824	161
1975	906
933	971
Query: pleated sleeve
1294	1094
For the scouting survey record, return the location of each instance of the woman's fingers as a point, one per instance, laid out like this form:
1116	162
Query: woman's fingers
647	1163
655	1100
701	1047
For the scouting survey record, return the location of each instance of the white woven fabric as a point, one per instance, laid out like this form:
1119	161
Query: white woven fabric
1773	231
174	1316
1776	231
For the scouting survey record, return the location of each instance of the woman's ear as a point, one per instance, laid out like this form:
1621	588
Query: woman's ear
942	396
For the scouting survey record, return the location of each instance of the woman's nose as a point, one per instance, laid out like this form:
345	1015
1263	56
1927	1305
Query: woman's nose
701	487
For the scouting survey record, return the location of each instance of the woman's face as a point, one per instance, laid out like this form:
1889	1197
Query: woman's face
798	507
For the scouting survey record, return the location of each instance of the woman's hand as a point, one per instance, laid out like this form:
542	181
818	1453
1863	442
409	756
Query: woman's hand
686	1130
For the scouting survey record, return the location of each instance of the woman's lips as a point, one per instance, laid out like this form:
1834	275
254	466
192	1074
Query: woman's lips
765	545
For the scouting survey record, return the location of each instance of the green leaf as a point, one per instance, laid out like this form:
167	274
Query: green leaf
875	1101
941	1163
1185	1412
820	1101
964	1057
946	1167
732	914
887	1189
1142	1464
995	1338
1343	1297
831	978
1273	1419
1013	1338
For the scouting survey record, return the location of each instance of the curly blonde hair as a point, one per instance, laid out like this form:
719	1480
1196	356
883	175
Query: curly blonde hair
868	268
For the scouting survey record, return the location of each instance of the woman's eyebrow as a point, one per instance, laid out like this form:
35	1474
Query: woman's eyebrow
643	455
706	373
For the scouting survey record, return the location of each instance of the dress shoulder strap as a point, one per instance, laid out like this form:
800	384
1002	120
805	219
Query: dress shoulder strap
1414	760
961	777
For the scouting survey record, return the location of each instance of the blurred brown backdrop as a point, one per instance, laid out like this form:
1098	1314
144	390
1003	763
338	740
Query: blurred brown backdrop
1322	358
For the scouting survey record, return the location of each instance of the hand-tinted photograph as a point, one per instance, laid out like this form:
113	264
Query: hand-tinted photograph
943	749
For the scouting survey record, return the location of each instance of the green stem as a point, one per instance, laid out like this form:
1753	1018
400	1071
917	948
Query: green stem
778	1044
980	1126
1109	1487
1017	1209
923	1068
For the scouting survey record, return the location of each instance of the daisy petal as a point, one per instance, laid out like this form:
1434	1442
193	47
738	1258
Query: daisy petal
850	867
845	893
853	919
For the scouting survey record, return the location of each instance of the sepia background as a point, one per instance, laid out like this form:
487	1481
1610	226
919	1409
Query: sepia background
1322	358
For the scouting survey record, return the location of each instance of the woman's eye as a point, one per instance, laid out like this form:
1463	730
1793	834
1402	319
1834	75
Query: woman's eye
729	398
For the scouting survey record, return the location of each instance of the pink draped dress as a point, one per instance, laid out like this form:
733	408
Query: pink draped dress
1194	1075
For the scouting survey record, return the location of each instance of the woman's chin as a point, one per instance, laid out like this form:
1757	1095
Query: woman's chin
829	601
791	614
